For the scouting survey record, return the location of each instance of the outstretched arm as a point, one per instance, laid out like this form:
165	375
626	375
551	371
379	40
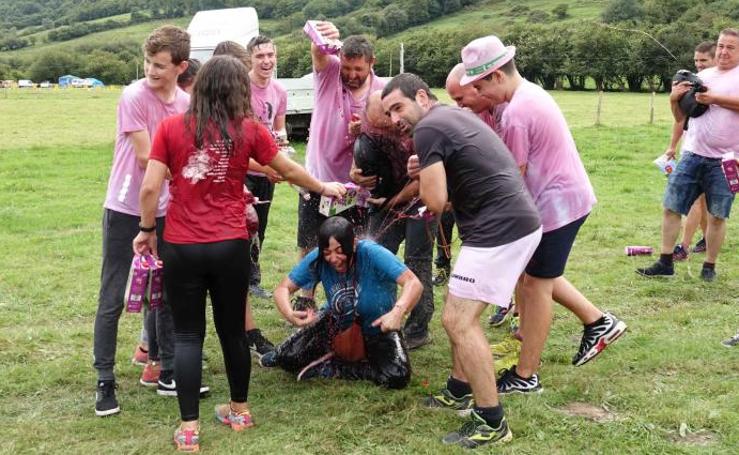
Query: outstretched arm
409	296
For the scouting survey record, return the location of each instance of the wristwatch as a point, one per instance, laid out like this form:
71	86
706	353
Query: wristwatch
147	229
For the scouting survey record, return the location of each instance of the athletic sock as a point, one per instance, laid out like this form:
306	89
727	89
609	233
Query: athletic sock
492	415
666	259
458	388
709	265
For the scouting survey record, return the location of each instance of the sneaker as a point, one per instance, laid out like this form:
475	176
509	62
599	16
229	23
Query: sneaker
140	356
268	360
707	274
236	420
510	382
258	344
508	346
445	400
416	342
679	253
731	342
259	292
167	387
319	368
499	317
187	440
700	247
596	338
657	269
301	303
150	375
442	276
105	401
478	432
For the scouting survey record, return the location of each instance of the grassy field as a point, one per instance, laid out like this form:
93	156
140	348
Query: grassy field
667	387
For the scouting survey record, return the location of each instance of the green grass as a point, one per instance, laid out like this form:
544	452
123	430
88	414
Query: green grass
668	370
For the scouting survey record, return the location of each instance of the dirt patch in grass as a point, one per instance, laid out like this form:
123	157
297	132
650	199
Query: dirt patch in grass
588	411
700	438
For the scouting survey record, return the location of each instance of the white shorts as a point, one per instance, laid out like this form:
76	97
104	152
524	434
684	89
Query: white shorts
490	274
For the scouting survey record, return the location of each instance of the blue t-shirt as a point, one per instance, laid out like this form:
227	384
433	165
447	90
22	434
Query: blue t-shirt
373	281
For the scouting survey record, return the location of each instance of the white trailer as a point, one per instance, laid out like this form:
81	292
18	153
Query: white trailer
208	28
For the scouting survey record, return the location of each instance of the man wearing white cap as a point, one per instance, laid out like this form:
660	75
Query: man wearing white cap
537	135
462	160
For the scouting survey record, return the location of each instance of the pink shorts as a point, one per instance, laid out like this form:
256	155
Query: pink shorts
490	274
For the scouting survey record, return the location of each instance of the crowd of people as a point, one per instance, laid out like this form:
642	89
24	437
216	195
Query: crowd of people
195	143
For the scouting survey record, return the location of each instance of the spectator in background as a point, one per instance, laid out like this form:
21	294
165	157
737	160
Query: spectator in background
699	171
698	215
187	78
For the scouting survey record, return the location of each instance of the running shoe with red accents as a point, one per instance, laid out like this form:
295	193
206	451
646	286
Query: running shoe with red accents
236	420
140	356
187	439
597	336
150	375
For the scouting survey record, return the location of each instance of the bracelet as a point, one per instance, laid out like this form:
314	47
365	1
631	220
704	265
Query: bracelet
147	229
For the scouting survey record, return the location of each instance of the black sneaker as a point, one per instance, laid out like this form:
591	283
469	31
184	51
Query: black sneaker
478	432
510	382
442	276
259	292
301	303
657	269
258	344
500	315
445	400
679	253
167	387
700	247
105	401
268	360
416	342
707	274
596	338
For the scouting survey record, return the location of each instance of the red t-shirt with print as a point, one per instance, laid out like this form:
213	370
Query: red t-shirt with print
207	189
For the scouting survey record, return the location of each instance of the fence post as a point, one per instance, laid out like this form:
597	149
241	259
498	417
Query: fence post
600	106
651	109
402	59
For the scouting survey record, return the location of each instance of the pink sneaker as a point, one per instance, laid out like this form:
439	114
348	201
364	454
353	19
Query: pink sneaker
150	375
140	356
236	420
187	440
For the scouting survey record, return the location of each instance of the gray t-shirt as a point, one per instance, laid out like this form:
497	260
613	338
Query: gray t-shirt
491	204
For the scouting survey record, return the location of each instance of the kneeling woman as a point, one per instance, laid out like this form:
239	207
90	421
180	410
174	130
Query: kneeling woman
355	335
207	152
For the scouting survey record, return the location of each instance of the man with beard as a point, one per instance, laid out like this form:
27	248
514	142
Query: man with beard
342	84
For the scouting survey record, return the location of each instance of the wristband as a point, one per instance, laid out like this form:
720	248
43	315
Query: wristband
147	229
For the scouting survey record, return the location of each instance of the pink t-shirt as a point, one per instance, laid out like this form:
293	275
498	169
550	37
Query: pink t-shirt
537	134
492	117
138	109
268	103
328	155
715	132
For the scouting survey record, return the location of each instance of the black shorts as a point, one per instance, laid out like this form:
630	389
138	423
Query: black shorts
550	258
310	219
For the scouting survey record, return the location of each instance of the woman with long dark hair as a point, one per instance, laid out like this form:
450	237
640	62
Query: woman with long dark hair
356	334
207	151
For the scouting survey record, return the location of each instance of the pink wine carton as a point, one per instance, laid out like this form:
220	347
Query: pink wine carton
731	171
326	46
137	286
155	291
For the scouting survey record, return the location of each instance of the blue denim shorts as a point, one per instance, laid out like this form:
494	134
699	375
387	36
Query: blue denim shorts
694	176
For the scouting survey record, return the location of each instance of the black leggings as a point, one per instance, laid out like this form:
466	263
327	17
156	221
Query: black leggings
190	272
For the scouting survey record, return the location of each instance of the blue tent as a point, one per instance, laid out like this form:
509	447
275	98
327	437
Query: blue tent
92	82
66	81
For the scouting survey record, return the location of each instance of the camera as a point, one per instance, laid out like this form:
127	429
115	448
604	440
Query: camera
688	104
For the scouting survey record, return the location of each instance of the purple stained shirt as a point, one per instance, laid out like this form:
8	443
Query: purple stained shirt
268	103
329	151
138	109
537	135
715	132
